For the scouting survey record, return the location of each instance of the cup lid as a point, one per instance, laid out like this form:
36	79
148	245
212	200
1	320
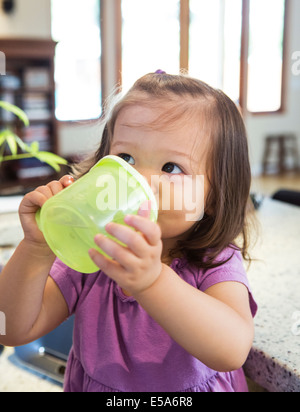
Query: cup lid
140	178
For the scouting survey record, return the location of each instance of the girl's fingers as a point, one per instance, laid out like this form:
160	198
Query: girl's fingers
116	251
108	266
66	180
57	186
149	229
51	188
32	202
36	199
45	190
133	240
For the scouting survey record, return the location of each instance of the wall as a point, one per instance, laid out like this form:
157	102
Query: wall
31	18
289	121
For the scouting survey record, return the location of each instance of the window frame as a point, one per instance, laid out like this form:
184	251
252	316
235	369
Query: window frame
110	25
244	62
62	123
184	51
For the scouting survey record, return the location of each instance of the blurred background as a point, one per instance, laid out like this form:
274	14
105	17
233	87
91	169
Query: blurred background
248	48
60	60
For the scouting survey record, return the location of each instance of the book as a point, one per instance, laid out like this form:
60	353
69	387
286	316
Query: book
6	116
36	106
36	77
10	81
32	168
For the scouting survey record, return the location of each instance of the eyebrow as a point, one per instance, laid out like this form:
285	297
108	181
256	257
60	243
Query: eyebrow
117	144
170	152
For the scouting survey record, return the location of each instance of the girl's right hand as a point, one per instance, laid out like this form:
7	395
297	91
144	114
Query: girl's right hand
35	200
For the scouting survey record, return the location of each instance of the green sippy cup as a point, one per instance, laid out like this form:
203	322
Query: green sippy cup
71	219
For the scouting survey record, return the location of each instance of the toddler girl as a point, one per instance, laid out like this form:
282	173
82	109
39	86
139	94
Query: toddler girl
171	311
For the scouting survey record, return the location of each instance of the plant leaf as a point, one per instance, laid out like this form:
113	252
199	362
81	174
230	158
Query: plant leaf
2	138
16	111
12	144
23	146
34	147
51	159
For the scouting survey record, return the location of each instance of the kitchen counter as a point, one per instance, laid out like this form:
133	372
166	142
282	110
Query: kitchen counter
274	361
14	377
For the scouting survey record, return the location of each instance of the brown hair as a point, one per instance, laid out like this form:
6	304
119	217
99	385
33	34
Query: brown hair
228	203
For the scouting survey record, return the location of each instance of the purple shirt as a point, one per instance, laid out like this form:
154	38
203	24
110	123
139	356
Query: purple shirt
118	347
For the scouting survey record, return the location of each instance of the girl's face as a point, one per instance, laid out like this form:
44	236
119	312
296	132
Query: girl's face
172	158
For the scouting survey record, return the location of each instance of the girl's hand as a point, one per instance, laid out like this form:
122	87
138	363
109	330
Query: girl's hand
135	267
35	200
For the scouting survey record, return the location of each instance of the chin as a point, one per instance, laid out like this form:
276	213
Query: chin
172	230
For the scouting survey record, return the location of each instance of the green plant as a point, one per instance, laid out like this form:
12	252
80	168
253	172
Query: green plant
20	150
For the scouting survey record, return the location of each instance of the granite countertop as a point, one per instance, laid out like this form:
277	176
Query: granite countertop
14	377
274	361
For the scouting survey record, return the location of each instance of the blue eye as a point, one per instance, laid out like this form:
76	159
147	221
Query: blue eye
172	168
129	159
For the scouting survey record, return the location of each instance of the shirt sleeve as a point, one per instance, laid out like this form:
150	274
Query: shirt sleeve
69	282
231	271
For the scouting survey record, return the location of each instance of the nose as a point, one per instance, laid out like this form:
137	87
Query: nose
148	175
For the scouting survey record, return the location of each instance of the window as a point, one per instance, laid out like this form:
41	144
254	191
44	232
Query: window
265	59
76	28
234	45
150	38
215	43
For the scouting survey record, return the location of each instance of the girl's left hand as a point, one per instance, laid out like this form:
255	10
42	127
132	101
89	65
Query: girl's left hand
135	267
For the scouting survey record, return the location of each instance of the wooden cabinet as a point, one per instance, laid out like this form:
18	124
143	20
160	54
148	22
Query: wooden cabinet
29	84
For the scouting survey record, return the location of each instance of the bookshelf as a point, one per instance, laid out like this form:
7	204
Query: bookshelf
29	84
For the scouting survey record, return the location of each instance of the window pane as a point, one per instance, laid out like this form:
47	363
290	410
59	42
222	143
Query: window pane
151	38
206	52
265	55
76	26
215	43
232	48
